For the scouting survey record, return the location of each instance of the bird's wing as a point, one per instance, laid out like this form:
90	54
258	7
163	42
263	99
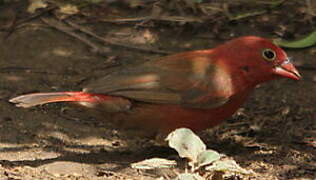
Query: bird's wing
186	79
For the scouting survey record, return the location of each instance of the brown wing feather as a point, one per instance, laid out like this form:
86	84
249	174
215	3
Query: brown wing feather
179	79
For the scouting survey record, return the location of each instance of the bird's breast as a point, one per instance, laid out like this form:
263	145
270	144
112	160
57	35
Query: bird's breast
164	118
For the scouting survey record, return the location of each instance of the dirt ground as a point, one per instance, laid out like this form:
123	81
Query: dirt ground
273	134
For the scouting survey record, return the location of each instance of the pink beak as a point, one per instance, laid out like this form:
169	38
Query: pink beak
287	70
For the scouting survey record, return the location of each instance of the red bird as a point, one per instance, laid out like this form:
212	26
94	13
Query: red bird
195	89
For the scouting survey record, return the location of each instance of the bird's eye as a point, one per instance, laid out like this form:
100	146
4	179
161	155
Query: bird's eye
268	54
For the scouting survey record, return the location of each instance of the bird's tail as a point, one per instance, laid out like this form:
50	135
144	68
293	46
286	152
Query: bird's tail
29	100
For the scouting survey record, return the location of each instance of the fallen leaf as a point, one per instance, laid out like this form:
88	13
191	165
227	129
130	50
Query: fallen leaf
154	163
68	9
36	4
186	143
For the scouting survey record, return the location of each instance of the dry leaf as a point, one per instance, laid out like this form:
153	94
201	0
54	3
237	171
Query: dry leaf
36	4
68	9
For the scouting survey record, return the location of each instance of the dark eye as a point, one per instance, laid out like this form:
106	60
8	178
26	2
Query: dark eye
268	54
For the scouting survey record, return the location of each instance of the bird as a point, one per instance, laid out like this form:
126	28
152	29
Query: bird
196	89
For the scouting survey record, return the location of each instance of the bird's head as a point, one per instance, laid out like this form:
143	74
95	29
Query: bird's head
259	59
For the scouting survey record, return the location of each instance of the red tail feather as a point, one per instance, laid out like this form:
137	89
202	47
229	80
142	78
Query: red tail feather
34	99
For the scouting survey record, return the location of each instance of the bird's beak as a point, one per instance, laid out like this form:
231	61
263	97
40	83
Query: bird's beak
287	69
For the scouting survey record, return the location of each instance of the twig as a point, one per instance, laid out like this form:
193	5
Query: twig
36	15
159	18
119	20
69	30
16	25
84	30
23	69
235	17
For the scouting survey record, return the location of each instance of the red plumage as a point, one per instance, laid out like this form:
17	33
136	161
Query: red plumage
195	89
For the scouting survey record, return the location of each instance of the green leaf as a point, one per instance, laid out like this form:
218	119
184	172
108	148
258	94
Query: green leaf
207	157
228	166
189	176
186	143
307	41
154	163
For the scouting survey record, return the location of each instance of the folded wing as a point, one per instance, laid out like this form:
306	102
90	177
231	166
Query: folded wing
185	79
